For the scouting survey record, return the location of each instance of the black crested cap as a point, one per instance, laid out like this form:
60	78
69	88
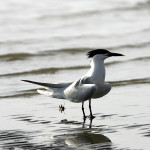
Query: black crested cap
97	51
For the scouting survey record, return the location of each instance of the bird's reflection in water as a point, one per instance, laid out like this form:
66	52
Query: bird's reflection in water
86	137
90	125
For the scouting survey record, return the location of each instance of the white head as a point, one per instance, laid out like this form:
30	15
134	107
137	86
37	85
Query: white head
101	54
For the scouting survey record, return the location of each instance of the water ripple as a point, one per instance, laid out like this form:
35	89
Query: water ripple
11	139
43	70
30	119
131	82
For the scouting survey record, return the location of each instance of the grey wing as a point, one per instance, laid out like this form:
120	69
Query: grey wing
53	90
50	85
81	90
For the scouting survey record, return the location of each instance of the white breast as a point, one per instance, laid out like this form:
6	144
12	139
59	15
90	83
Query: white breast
102	90
97	76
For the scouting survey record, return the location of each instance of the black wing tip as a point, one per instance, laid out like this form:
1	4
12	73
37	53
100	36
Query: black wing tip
25	80
38	83
28	81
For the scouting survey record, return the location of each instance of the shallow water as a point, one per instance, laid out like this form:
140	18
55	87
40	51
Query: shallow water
47	41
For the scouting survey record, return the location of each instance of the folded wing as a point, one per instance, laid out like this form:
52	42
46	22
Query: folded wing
81	90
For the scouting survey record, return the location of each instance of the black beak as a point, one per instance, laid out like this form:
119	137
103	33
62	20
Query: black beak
115	54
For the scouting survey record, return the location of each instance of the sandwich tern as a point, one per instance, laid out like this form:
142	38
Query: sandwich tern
91	85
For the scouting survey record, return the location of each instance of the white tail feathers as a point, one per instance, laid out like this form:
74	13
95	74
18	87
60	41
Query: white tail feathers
45	92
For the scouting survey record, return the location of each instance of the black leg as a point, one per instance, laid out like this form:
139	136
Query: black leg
91	115
84	117
90	125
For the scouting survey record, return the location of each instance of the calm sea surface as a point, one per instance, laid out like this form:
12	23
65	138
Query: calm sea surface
47	41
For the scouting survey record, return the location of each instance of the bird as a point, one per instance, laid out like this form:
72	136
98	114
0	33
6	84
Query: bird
92	85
